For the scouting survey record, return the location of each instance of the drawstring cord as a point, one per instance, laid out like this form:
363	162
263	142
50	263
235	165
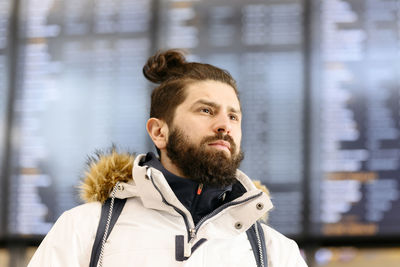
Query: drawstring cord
103	242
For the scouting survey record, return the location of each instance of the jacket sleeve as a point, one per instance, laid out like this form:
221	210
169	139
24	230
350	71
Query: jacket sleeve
295	259
68	243
282	251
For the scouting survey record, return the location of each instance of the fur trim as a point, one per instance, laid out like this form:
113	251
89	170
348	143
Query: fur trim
104	171
262	187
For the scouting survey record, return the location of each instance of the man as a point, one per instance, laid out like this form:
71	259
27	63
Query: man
189	207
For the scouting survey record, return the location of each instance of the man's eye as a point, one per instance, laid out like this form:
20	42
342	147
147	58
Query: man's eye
234	117
206	110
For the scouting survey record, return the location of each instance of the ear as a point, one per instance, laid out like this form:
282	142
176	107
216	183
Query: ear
158	131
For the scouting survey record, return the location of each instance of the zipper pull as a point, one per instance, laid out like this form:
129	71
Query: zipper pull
199	189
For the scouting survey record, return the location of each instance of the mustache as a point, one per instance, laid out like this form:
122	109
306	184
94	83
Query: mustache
219	136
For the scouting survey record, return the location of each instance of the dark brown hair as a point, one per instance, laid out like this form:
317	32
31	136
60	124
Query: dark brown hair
171	70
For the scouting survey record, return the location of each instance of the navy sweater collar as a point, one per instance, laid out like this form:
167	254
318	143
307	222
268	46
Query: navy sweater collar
199	200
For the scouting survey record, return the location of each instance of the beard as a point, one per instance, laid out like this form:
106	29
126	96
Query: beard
201	163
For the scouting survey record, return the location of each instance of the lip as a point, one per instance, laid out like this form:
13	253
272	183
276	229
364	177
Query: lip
222	143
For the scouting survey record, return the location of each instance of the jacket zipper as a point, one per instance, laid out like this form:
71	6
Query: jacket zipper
260	251
193	231
196	199
185	219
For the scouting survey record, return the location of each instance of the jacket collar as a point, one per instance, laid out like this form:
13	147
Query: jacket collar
154	190
198	199
105	169
227	221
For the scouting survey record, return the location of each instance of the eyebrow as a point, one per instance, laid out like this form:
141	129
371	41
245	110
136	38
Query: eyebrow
215	105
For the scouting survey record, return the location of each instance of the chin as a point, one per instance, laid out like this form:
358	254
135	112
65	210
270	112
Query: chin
223	154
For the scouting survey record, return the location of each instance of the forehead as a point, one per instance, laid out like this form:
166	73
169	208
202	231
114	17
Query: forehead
218	92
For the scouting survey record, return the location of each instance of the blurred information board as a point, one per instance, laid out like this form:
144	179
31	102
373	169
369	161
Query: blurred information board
80	88
261	44
356	257
5	15
355	118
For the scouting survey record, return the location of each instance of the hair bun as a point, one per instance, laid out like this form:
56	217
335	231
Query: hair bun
165	65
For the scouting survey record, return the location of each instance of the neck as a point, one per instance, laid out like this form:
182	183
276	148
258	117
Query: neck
171	167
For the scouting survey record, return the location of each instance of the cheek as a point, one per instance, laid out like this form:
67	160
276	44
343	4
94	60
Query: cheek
193	133
238	140
238	136
238	144
196	128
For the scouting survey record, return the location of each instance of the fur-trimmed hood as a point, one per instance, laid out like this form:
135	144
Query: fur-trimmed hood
104	170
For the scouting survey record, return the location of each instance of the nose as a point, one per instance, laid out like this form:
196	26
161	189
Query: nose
222	124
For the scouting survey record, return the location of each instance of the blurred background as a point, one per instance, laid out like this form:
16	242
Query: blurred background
319	85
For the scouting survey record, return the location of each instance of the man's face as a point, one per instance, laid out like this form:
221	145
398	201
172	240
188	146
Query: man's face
210	107
205	135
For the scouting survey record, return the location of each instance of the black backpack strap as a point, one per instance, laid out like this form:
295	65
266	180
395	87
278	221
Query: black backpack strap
257	241
117	209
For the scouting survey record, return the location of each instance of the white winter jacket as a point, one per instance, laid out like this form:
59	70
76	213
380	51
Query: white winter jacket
145	233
